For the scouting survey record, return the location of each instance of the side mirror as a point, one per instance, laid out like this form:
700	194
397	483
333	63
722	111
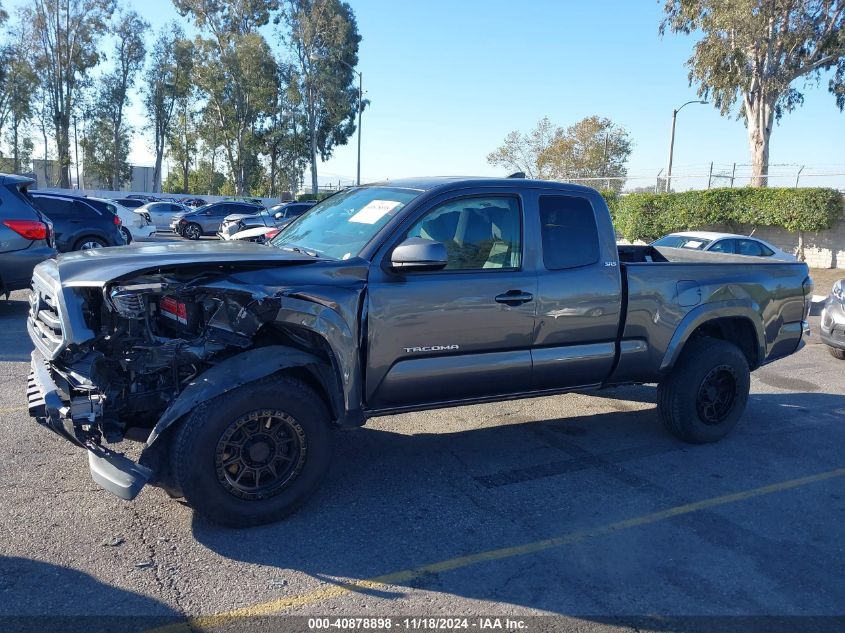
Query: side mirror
417	253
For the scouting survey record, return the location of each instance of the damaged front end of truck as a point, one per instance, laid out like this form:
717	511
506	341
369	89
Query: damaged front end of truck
126	358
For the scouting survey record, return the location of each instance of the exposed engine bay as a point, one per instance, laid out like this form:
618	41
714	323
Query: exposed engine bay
153	335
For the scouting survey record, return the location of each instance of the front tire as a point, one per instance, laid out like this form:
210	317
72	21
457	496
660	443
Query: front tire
704	396
192	231
127	236
253	455
837	353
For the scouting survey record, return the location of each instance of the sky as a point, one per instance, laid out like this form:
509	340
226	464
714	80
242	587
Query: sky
447	80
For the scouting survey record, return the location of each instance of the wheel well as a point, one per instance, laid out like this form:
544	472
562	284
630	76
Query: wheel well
736	330
323	379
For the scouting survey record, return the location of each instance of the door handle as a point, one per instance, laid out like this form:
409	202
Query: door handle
514	297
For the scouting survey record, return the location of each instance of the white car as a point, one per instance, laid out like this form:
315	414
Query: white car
714	242
135	223
260	234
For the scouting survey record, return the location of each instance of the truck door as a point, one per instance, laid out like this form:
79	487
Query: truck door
579	293
461	332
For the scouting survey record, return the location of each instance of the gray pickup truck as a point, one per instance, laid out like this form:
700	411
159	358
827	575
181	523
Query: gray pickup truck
229	363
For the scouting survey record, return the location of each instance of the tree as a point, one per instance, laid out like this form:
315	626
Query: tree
239	97
521	152
232	70
282	140
19	83
101	153
183	138
753	51
168	79
110	129
324	37
66	39
592	148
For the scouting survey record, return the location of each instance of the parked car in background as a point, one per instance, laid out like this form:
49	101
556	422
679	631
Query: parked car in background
130	203
136	225
246	199
161	213
207	220
833	321
257	234
193	202
144	197
26	235
277	216
727	243
78	225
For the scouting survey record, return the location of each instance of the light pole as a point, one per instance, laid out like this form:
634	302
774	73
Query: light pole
360	109
672	141
76	152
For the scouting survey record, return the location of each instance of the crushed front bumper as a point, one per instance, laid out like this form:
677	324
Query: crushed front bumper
113	471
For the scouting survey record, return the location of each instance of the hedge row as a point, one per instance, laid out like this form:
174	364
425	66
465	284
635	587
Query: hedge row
647	216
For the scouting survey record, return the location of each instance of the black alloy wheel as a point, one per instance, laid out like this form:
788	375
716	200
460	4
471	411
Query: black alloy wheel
716	395
260	453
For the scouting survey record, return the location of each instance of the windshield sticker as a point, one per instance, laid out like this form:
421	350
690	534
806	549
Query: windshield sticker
374	211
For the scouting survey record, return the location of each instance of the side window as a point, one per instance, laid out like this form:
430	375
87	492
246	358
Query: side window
569	232
749	247
55	207
479	233
722	246
83	210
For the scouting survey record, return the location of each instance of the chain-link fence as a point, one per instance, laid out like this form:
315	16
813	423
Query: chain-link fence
712	175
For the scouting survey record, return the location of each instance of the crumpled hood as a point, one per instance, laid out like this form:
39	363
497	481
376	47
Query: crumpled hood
96	267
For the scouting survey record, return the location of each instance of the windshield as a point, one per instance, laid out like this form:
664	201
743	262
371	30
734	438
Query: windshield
683	241
340	226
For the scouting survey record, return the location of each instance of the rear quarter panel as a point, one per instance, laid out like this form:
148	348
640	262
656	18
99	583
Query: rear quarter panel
668	301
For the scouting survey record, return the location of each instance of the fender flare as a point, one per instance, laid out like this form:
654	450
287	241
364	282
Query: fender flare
234	372
710	312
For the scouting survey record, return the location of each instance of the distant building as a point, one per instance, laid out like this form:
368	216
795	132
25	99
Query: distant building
142	179
47	173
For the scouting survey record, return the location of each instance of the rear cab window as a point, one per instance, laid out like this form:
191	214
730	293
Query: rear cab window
569	232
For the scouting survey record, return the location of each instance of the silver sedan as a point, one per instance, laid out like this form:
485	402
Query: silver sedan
161	213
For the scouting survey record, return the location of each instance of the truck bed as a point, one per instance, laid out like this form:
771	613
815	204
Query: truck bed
667	287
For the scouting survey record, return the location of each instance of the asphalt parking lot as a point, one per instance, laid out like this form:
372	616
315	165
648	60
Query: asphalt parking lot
579	505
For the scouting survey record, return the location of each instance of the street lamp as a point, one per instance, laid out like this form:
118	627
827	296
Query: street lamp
360	109
672	141
316	57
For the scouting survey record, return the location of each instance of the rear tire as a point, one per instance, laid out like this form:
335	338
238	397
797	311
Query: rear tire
253	455
127	236
837	353
87	243
705	394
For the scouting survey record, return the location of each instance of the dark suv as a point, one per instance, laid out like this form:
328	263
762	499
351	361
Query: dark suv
26	236
77	224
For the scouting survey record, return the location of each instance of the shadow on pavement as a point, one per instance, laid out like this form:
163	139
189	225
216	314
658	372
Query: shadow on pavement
394	502
15	345
37	597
